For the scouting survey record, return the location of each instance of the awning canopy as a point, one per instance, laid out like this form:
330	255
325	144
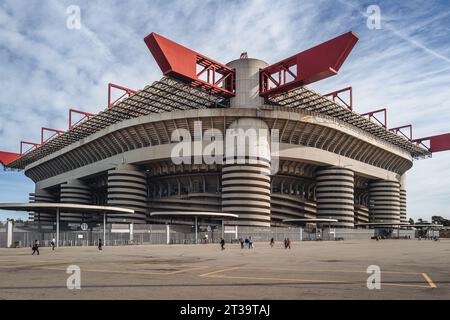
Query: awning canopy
385	224
218	215
310	220
72	207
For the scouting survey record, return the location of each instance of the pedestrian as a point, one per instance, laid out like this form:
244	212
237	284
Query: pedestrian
285	243
272	242
250	243
53	243
246	242
100	244
35	247
222	244
288	243
241	241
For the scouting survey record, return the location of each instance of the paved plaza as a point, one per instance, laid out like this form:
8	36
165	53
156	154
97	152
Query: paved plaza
410	269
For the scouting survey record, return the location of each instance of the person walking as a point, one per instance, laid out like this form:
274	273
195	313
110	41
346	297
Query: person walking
100	244
250	243
35	247
288	243
272	242
241	241
285	243
247	242
53	243
222	244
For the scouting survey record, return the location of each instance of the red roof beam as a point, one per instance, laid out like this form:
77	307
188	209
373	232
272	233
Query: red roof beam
182	63
8	157
314	64
438	143
372	114
335	95
399	130
85	115
126	92
55	132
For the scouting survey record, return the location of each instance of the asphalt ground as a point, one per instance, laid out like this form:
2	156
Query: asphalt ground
410	269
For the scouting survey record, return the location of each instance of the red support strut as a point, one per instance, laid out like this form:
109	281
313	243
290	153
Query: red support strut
371	115
127	92
86	115
399	130
32	144
335	95
55	133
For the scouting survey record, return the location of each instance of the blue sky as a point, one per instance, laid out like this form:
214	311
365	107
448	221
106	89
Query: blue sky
45	68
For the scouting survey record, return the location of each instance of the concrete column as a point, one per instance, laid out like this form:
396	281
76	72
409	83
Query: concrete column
131	231
403	211
127	188
246	172
247	83
57	227
75	191
42	195
167	234
335	196
9	234
384	201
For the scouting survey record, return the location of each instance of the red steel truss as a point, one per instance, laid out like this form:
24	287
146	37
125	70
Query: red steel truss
335	95
86	115
191	67
32	144
399	130
371	115
55	132
126	92
8	157
437	143
314	64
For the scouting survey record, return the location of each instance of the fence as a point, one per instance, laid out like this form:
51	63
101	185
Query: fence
158	234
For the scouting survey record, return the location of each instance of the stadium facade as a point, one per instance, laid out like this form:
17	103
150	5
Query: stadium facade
331	162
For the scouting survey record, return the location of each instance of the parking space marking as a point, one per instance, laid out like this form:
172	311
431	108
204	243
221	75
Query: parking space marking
218	271
218	274
274	279
132	272
428	279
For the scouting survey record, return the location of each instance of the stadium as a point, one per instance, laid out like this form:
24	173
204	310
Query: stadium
318	160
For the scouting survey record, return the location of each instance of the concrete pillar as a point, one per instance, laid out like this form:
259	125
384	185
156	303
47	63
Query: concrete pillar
167	234
403	212
131	232
127	188
75	191
384	201
39	196
9	233
246	173
247	83
335	196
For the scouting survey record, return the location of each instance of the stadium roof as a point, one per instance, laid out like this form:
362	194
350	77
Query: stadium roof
170	95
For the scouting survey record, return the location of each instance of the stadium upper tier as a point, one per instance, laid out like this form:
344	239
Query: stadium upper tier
169	95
